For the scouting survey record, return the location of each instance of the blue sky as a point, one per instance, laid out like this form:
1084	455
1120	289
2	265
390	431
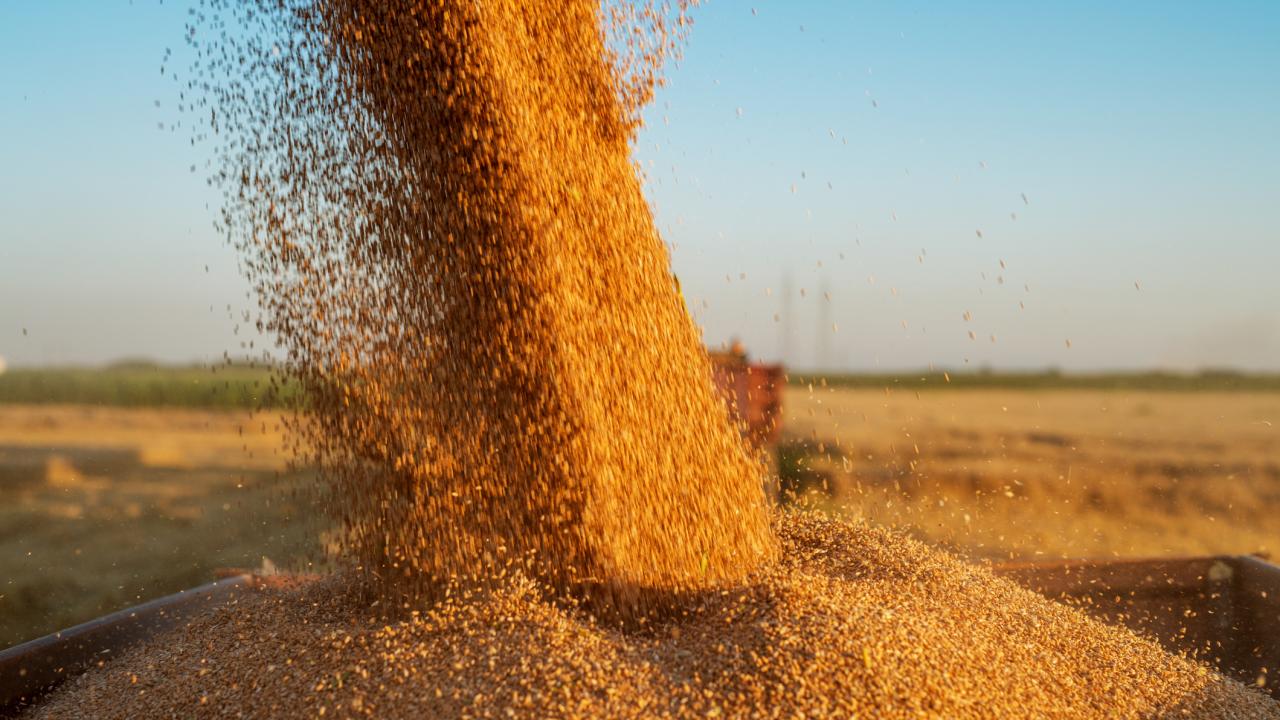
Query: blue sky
854	149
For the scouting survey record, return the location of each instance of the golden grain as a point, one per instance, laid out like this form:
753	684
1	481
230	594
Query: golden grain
515	420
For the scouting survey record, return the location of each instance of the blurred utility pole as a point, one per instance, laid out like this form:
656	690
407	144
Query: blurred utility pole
785	338
825	329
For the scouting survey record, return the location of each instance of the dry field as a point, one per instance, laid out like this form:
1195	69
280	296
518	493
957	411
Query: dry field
103	507
1038	474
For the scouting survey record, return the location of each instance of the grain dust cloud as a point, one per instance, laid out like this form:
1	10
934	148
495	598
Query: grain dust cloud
546	506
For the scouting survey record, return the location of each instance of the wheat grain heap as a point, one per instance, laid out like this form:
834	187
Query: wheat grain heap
437	204
853	622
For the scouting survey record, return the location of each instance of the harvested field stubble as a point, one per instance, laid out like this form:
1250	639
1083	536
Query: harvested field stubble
1036	475
855	622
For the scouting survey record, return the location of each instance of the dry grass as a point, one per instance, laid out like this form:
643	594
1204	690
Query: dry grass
1038	474
103	508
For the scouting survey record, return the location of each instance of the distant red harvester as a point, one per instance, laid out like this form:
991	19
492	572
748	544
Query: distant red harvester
753	392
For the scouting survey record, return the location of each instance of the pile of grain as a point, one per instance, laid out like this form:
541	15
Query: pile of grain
855	622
